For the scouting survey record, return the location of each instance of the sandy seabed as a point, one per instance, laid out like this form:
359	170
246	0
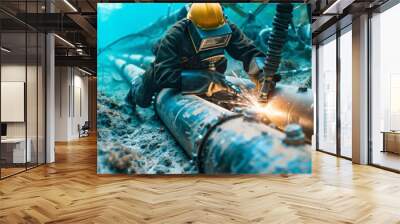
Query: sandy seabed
136	142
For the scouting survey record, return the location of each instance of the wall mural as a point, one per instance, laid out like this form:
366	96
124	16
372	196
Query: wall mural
204	88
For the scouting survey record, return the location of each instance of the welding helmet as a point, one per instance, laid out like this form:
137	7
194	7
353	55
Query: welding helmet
208	28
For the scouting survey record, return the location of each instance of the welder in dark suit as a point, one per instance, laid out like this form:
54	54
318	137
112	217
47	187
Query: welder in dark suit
191	56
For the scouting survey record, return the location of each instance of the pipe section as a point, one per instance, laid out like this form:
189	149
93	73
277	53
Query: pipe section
291	105
221	141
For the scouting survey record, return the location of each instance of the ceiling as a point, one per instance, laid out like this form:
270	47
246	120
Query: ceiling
75	23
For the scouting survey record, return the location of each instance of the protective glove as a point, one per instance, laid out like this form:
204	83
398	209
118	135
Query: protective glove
195	81
141	92
255	69
206	81
130	98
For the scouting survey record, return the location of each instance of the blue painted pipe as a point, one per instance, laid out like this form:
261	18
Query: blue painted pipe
221	141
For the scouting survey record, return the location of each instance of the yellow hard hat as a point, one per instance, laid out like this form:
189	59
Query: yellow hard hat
206	15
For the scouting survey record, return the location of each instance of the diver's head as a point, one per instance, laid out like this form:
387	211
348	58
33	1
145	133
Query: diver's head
208	28
206	15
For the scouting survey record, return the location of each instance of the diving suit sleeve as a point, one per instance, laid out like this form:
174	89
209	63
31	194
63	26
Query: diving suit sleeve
242	48
164	72
166	67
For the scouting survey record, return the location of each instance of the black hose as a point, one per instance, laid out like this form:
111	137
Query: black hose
276	41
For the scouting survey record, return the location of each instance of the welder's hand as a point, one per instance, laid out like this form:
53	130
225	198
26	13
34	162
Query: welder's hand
130	97
220	79
256	68
195	81
209	82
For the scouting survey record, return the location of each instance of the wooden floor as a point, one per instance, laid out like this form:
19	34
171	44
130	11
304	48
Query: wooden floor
386	159
5	172
69	191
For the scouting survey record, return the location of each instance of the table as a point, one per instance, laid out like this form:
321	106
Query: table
13	150
391	141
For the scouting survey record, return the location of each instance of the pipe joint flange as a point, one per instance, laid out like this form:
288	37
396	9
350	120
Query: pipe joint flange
294	135
238	110
206	132
255	115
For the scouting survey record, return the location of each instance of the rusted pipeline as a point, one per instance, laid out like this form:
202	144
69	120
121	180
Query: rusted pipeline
221	141
291	104
128	71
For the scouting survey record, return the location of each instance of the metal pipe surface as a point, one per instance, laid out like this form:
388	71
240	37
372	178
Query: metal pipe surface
291	105
221	141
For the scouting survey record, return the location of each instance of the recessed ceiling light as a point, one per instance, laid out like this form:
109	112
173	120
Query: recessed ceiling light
84	71
337	7
65	41
5	50
70	5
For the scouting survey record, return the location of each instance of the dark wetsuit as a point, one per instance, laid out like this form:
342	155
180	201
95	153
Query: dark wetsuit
175	52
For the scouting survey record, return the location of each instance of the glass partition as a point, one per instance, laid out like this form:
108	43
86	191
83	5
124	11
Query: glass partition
22	78
32	95
41	97
385	89
14	151
346	93
327	96
32	85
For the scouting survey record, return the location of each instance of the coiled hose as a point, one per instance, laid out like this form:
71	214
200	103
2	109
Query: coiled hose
276	41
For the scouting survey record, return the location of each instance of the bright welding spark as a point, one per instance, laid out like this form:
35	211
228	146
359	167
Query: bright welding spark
249	99
247	95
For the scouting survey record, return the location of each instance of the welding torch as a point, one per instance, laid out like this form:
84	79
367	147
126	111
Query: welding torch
275	44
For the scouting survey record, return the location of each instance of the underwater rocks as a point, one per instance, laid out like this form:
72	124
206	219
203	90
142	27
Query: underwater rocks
123	160
135	142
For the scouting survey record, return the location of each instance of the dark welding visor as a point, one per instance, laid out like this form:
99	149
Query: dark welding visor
203	39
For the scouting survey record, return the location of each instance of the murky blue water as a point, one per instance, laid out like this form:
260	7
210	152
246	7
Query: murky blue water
120	133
